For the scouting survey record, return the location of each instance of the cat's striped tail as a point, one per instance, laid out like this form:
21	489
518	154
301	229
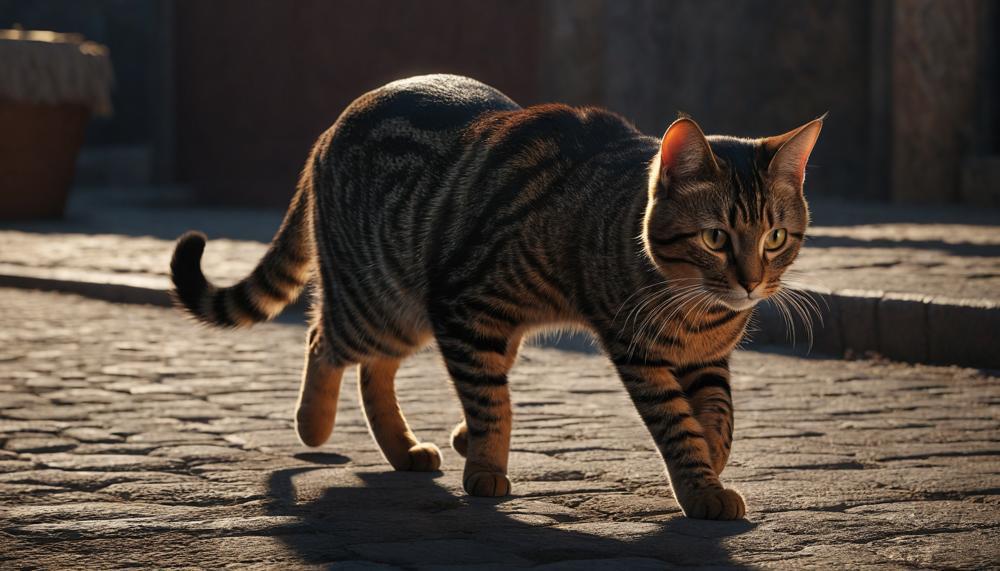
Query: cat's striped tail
278	279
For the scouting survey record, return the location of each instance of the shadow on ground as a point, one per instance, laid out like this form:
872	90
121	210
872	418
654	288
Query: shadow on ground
398	518
834	212
955	249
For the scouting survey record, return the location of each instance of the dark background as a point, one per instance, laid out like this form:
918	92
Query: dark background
225	97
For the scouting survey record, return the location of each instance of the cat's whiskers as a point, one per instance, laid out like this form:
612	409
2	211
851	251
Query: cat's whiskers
802	307
795	311
683	296
680	296
703	311
781	306
637	330
804	292
808	299
798	280
674	295
789	301
703	303
657	298
654	298
647	297
693	301
635	293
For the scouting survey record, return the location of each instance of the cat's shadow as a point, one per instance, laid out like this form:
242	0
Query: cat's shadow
326	458
412	519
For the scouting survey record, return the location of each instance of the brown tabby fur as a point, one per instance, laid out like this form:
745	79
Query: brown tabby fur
437	209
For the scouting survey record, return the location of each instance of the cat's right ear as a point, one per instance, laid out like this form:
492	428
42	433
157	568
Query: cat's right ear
684	152
790	152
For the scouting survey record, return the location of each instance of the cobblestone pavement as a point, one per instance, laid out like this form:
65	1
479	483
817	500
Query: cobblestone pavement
132	437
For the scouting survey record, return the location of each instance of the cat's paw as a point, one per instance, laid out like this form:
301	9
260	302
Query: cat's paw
460	438
720	504
313	425
487	484
423	457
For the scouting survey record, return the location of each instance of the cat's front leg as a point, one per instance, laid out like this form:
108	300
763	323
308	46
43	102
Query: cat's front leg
478	367
707	388
680	438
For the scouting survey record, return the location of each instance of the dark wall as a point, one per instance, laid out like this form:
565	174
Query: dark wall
935	119
750	68
258	81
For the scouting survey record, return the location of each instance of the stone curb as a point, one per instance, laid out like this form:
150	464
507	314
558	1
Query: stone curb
118	288
908	328
903	327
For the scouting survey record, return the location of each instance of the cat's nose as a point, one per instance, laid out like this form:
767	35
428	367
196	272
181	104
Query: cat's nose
749	285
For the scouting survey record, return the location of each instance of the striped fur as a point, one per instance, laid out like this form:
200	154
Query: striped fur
435	208
277	280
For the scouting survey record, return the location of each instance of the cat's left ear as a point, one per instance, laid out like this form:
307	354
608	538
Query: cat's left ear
790	152
685	152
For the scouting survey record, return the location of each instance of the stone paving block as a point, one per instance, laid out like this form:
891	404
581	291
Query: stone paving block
87	434
39	444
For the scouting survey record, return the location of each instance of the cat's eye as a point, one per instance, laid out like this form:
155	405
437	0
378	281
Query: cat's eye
714	238
775	239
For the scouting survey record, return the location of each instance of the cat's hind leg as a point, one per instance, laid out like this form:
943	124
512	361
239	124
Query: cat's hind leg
460	438
386	421
316	410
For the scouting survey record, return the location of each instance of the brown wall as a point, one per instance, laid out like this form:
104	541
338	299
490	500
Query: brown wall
259	80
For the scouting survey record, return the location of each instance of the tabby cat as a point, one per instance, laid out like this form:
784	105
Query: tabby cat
436	208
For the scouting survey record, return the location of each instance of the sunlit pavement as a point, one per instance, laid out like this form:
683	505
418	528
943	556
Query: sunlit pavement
131	436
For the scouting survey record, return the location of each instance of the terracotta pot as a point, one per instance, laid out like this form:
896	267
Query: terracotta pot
38	148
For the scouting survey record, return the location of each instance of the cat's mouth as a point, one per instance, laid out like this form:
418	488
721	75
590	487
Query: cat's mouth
742	304
738	302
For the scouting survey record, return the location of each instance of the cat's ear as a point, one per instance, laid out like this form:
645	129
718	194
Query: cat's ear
684	151
790	152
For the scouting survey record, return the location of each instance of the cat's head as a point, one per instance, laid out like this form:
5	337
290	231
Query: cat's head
727	215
